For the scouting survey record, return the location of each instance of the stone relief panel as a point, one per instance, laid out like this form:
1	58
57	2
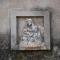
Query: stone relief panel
30	30
31	33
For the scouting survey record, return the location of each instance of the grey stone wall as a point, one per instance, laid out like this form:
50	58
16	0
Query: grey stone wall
52	5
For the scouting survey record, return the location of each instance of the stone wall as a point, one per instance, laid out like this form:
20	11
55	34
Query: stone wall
52	5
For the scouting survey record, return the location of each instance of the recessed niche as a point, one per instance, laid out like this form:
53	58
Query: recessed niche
30	34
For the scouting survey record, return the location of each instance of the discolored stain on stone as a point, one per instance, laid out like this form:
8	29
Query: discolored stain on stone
4	41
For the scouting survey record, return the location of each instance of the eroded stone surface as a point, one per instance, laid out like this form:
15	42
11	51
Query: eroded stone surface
32	36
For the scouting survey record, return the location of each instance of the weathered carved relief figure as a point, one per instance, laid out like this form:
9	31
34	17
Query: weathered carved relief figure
32	35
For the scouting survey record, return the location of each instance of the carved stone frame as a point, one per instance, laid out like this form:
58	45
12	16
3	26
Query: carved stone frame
14	13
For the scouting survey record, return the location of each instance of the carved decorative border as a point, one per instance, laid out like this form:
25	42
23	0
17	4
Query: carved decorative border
14	13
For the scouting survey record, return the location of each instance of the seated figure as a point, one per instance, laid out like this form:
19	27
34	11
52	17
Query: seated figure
32	35
31	32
